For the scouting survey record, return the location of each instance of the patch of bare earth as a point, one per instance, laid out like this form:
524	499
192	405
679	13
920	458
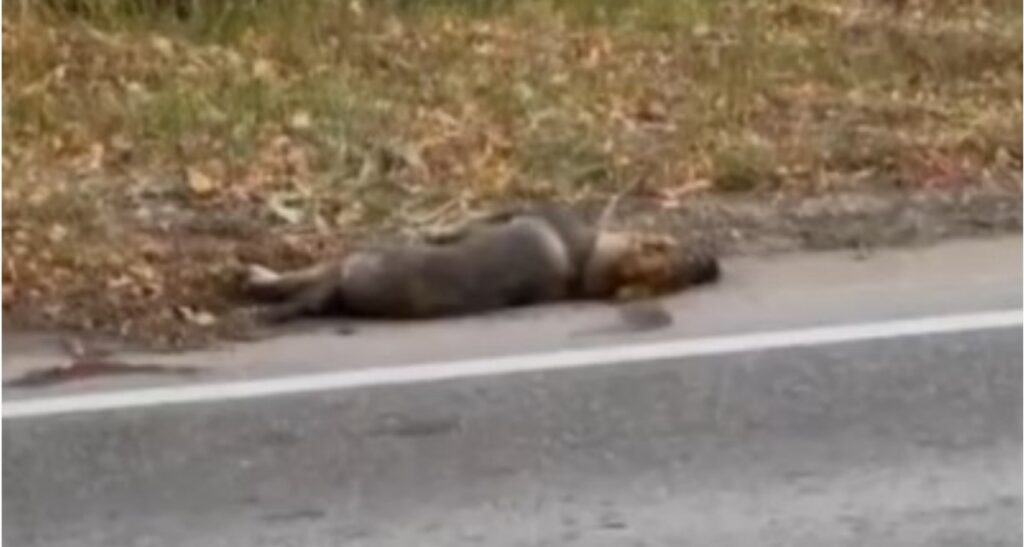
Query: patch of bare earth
147	154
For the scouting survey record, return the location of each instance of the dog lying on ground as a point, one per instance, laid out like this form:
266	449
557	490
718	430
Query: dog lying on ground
508	258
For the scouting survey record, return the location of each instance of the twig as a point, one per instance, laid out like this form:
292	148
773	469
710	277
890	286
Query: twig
433	216
609	209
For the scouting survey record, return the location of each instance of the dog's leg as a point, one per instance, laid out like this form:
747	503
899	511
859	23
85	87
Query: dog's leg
307	300
270	286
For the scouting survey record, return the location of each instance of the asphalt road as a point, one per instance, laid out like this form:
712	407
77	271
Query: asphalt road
913	440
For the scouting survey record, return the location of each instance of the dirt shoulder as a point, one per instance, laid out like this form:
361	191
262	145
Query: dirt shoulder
199	304
859	221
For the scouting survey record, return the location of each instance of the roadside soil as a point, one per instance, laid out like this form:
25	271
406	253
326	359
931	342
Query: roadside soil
206	265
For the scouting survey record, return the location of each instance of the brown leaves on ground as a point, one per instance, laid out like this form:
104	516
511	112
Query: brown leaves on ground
142	158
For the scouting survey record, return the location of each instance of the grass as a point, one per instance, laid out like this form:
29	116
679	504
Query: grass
268	126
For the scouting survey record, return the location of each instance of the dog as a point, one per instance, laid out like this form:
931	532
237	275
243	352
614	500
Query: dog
512	257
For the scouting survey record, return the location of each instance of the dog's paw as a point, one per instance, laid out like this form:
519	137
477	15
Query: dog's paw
259	276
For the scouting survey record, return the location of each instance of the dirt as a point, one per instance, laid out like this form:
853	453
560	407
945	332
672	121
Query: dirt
79	370
856	221
730	225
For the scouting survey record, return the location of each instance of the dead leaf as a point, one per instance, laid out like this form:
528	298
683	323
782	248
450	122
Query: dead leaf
413	158
144	272
57	233
282	210
95	157
652	110
672	198
356	7
263	69
199	183
163	46
196	316
300	121
203	318
350	215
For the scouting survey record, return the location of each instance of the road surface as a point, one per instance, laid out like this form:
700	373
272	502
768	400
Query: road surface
859	416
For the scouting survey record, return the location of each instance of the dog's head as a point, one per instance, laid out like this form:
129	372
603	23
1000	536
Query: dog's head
636	264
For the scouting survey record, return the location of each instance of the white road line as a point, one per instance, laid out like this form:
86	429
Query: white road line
568	359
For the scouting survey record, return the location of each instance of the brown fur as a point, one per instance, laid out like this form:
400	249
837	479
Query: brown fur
634	265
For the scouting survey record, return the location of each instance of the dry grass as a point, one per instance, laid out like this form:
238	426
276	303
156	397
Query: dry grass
143	151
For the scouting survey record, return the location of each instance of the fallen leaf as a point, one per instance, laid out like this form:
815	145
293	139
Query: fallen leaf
203	318
57	233
301	120
413	158
95	157
672	198
199	317
199	183
263	69
282	210
163	46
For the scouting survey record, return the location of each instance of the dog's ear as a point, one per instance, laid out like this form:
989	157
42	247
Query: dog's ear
601	272
656	243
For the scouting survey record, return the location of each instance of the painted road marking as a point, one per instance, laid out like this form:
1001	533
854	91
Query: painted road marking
559	360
